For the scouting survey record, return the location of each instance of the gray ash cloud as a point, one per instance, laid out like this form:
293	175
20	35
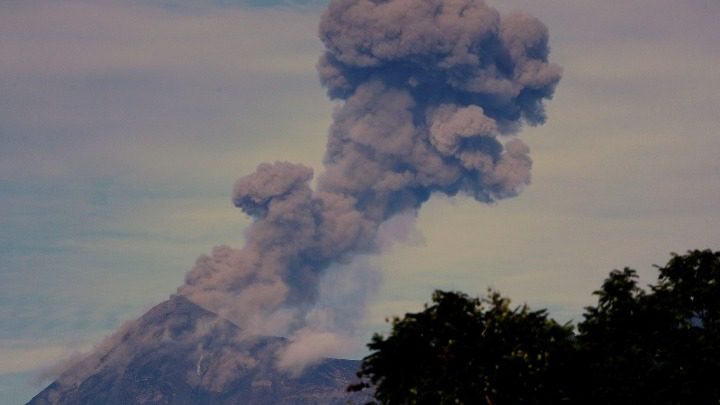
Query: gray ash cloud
433	96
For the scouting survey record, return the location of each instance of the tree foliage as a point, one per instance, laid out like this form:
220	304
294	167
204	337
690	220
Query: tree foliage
470	351
635	346
661	346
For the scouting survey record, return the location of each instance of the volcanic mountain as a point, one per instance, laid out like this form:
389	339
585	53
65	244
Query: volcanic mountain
180	353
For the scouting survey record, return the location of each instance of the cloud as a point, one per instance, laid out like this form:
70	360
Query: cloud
623	171
17	357
308	347
429	100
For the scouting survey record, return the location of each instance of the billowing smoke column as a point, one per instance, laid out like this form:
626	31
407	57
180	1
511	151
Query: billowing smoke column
433	94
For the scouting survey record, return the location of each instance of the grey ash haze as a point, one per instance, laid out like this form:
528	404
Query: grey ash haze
433	95
124	124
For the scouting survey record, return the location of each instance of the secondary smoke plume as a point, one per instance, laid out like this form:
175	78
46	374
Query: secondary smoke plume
433	94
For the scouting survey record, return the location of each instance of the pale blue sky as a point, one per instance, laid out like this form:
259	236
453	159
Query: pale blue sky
123	125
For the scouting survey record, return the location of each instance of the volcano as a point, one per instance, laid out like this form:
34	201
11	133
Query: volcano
181	353
432	103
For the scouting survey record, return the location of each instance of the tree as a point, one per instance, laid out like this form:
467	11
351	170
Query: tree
659	345
462	350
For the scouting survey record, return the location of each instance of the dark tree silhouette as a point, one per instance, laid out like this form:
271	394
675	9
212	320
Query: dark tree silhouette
660	346
635	346
469	351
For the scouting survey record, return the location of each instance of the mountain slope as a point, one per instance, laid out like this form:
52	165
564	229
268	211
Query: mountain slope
180	353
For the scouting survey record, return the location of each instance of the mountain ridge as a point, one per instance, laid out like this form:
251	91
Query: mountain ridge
180	353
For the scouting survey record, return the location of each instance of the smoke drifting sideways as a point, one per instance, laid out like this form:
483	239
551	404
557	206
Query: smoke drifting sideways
433	95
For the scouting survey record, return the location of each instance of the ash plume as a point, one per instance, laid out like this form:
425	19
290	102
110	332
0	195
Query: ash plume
433	95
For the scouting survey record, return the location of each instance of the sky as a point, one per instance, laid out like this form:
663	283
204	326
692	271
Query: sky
125	123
